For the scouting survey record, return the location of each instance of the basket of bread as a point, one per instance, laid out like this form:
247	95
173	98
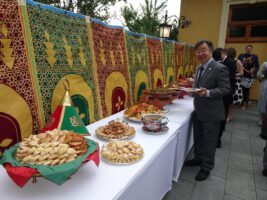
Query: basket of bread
48	154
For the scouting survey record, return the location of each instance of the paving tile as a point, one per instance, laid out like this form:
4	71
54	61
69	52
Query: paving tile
253	117
241	125
241	118
241	142
189	173
226	141
261	194
241	161
257	169
230	197
261	182
257	160
210	189
237	174
221	163
257	145
240	184
181	190
256	151
240	133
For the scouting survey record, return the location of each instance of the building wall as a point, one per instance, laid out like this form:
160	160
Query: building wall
209	21
205	16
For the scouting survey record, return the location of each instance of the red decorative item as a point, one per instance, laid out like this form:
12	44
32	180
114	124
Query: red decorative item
21	175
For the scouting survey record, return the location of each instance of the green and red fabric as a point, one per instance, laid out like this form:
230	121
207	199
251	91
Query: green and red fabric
66	118
138	64
58	174
168	61
178	60
20	111
62	50
111	67
155	60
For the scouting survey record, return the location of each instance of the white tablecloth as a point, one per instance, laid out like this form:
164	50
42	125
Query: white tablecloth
150	178
185	136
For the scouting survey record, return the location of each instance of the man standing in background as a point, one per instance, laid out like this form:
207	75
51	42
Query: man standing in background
227	99
255	59
213	80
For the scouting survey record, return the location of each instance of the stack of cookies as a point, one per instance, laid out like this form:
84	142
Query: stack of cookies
51	148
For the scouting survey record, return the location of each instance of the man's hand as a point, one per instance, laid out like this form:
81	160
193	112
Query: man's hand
202	92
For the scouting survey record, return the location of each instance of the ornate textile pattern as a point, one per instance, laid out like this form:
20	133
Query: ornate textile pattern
19	115
178	60
138	67
192	61
112	67
168	61
61	47
186	61
155	61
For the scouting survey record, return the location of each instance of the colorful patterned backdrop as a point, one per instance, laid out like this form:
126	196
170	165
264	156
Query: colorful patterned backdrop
138	65
61	47
192	61
112	67
19	111
178	59
154	48
107	68
186	60
168	61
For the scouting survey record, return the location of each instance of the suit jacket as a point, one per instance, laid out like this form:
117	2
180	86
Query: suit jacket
231	65
216	80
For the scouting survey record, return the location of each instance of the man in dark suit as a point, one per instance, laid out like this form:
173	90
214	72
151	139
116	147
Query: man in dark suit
227	99
213	80
255	59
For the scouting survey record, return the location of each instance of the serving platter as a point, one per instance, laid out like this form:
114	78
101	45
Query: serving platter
192	90
163	130
115	130
122	152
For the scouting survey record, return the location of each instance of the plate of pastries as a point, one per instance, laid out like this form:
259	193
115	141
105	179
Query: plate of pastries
122	152
135	112
51	148
115	129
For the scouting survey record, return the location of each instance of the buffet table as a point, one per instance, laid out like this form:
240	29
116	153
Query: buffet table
149	178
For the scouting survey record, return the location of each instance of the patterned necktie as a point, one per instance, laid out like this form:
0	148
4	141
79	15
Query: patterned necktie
199	74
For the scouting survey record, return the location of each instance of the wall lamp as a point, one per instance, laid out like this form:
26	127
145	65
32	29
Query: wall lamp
165	28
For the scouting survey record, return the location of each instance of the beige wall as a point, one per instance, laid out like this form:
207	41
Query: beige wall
205	16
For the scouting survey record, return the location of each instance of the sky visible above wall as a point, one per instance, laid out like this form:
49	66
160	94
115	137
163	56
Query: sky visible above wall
173	7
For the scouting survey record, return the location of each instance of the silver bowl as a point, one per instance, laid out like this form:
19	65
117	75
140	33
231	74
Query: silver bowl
154	122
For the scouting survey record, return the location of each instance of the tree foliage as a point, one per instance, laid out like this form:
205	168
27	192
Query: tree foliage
98	9
146	19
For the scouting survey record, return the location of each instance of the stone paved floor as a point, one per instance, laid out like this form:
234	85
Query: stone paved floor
238	166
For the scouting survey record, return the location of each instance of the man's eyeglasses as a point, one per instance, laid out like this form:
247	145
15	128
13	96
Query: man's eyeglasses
202	51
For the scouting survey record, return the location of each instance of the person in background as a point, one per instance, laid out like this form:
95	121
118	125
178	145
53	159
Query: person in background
264	136
248	67
238	95
262	75
220	54
213	80
254	58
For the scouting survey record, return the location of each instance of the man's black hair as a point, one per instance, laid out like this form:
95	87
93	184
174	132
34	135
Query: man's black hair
200	42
